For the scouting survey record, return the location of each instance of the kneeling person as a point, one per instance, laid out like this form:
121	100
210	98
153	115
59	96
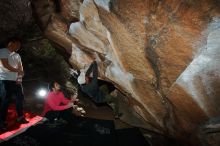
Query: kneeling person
57	106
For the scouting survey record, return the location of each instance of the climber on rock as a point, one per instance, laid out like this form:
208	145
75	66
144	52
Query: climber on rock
98	94
58	106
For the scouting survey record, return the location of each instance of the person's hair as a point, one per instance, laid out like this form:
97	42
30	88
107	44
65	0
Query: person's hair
51	85
12	39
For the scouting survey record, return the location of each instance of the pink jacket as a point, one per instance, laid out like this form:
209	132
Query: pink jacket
55	101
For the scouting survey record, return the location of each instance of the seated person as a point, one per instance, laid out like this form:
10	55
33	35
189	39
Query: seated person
57	106
98	94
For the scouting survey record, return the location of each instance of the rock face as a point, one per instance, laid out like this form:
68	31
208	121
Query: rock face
162	55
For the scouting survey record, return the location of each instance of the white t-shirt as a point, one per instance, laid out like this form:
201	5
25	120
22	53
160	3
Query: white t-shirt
13	59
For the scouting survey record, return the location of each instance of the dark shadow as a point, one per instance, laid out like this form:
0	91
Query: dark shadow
89	132
57	5
131	137
110	86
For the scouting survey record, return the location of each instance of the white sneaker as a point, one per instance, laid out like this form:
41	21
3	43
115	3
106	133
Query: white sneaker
83	112
79	109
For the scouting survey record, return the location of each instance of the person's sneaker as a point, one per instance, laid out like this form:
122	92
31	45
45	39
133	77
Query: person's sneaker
118	115
22	120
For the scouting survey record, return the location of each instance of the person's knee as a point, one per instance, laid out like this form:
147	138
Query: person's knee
51	117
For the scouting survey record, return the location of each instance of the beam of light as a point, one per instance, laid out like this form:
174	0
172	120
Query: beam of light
41	93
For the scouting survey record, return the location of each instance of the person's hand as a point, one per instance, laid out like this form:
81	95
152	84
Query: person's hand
75	106
97	58
19	79
93	57
20	72
74	98
18	82
75	95
70	104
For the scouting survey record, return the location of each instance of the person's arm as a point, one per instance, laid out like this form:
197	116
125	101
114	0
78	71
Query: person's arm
21	74
63	99
20	67
94	81
6	65
55	107
88	72
94	69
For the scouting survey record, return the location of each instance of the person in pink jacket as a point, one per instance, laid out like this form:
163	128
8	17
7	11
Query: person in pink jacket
57	105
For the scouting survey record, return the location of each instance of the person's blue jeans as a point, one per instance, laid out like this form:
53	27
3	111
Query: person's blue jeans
2	89
11	89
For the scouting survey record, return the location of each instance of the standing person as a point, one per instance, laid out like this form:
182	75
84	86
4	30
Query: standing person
11	73
57	106
98	94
